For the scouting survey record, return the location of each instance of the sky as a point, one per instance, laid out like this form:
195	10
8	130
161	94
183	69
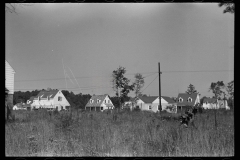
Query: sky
76	47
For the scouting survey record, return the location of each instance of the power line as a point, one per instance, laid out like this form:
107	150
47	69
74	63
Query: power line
53	79
150	83
149	75
82	88
89	88
197	71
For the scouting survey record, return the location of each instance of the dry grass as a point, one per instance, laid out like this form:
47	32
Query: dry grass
36	133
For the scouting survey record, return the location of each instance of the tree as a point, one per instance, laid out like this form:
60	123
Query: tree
230	7
230	90
138	84
216	88
121	84
201	100
191	89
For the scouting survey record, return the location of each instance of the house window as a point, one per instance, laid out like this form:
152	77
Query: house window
98	101
59	98
189	99
101	108
105	101
108	101
149	107
91	101
180	100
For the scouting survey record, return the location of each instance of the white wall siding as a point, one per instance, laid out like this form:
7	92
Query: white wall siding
105	105
63	103
9	75
52	103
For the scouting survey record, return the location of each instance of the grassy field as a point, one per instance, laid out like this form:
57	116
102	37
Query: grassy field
36	133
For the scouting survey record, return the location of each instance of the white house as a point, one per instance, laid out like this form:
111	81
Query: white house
129	104
9	81
170	106
50	99
185	100
213	103
151	103
19	106
99	103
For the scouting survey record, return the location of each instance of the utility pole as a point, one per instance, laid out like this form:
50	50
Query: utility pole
160	104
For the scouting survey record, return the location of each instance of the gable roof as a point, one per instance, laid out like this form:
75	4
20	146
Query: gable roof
168	99
210	100
95	98
31	99
148	99
44	93
20	105
7	64
185	97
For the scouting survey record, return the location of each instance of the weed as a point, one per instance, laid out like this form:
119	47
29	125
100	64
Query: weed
35	133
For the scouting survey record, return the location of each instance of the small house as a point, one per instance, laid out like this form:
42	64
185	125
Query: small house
171	105
19	106
49	99
99	103
213	103
185	100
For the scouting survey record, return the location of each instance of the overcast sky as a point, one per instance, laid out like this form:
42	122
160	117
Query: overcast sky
89	41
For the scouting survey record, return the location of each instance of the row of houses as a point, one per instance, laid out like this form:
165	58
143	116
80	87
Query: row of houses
148	103
151	103
54	99
182	102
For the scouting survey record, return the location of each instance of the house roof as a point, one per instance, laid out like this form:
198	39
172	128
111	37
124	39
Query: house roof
20	105
6	63
31	99
168	99
95	98
44	93
27	105
185	97
209	100
148	99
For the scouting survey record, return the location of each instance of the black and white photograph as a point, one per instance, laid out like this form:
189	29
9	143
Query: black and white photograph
119	79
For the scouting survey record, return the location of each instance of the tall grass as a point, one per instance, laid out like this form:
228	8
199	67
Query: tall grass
36	133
